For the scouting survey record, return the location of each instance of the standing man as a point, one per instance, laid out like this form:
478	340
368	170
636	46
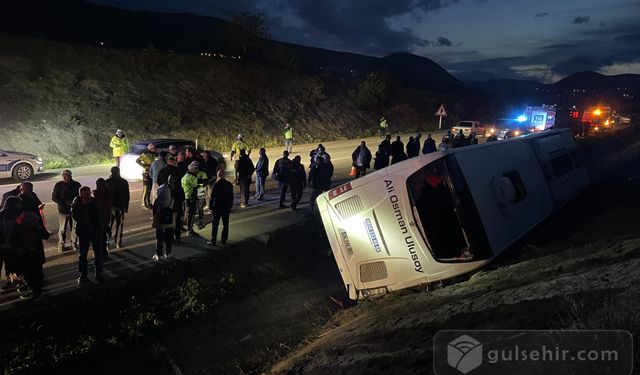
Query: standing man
383	127
119	188
104	197
321	180
120	145
245	171
64	193
221	203
164	219
145	160
235	150
154	169
281	172
397	151
429	145
288	138
262	172
297	180
361	159
190	187
171	170
88	219
173	152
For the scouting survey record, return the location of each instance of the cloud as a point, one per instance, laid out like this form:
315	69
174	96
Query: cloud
581	19
543	14
558	46
633	39
443	42
621	68
541	72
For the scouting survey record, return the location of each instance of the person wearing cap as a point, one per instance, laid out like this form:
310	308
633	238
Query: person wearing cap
288	138
190	188
120	145
64	192
145	160
173	152
238	145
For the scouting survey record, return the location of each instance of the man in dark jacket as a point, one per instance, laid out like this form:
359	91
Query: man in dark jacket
177	193
429	145
297	180
221	203
397	151
104	197
30	201
281	172
245	171
262	172
385	152
11	193
119	188
88	219
321	180
361	159
64	192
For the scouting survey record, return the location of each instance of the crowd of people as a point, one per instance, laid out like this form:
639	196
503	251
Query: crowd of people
178	185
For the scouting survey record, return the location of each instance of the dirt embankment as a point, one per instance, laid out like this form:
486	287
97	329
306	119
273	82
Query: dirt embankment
578	270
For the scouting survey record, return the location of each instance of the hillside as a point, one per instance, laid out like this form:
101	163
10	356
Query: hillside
64	101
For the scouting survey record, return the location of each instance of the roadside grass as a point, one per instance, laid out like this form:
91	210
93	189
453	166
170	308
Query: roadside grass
77	330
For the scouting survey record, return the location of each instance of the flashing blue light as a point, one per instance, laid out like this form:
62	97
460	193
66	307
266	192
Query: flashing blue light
521	118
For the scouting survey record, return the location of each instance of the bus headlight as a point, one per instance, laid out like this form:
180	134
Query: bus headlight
374	292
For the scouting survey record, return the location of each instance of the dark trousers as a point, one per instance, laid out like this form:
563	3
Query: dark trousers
296	195
191	212
117	220
179	210
164	236
66	230
245	184
217	215
360	171
312	199
32	270
98	251
283	191
147	186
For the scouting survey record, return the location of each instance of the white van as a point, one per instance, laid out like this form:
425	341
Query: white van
444	214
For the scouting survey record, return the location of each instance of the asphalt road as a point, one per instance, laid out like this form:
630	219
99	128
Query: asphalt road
256	221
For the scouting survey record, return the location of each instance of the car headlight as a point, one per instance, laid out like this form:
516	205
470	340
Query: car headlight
516	133
38	159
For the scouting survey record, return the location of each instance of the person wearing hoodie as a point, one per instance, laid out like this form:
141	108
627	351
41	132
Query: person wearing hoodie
190	187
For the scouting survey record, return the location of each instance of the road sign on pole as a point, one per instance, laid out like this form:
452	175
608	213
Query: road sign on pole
441	112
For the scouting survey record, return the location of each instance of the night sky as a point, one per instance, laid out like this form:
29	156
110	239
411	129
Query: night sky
542	40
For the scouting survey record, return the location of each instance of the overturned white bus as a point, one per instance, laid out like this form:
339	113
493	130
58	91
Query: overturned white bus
444	214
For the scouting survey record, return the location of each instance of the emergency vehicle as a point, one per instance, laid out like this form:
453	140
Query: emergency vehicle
444	214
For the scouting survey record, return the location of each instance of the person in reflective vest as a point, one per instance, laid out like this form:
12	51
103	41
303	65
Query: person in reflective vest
383	127
120	145
288	138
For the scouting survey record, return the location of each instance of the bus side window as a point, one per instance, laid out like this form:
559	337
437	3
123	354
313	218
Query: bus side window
561	163
518	185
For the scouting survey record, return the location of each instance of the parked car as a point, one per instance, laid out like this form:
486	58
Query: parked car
469	127
130	170
20	166
505	128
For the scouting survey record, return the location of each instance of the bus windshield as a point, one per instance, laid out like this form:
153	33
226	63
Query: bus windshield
447	217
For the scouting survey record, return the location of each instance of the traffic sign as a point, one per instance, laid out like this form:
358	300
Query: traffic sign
441	111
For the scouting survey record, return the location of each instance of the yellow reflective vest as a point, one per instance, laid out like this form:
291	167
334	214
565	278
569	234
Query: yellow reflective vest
189	184
119	145
239	145
288	133
383	122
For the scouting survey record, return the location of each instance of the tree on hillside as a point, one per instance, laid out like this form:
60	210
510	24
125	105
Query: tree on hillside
255	24
371	92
